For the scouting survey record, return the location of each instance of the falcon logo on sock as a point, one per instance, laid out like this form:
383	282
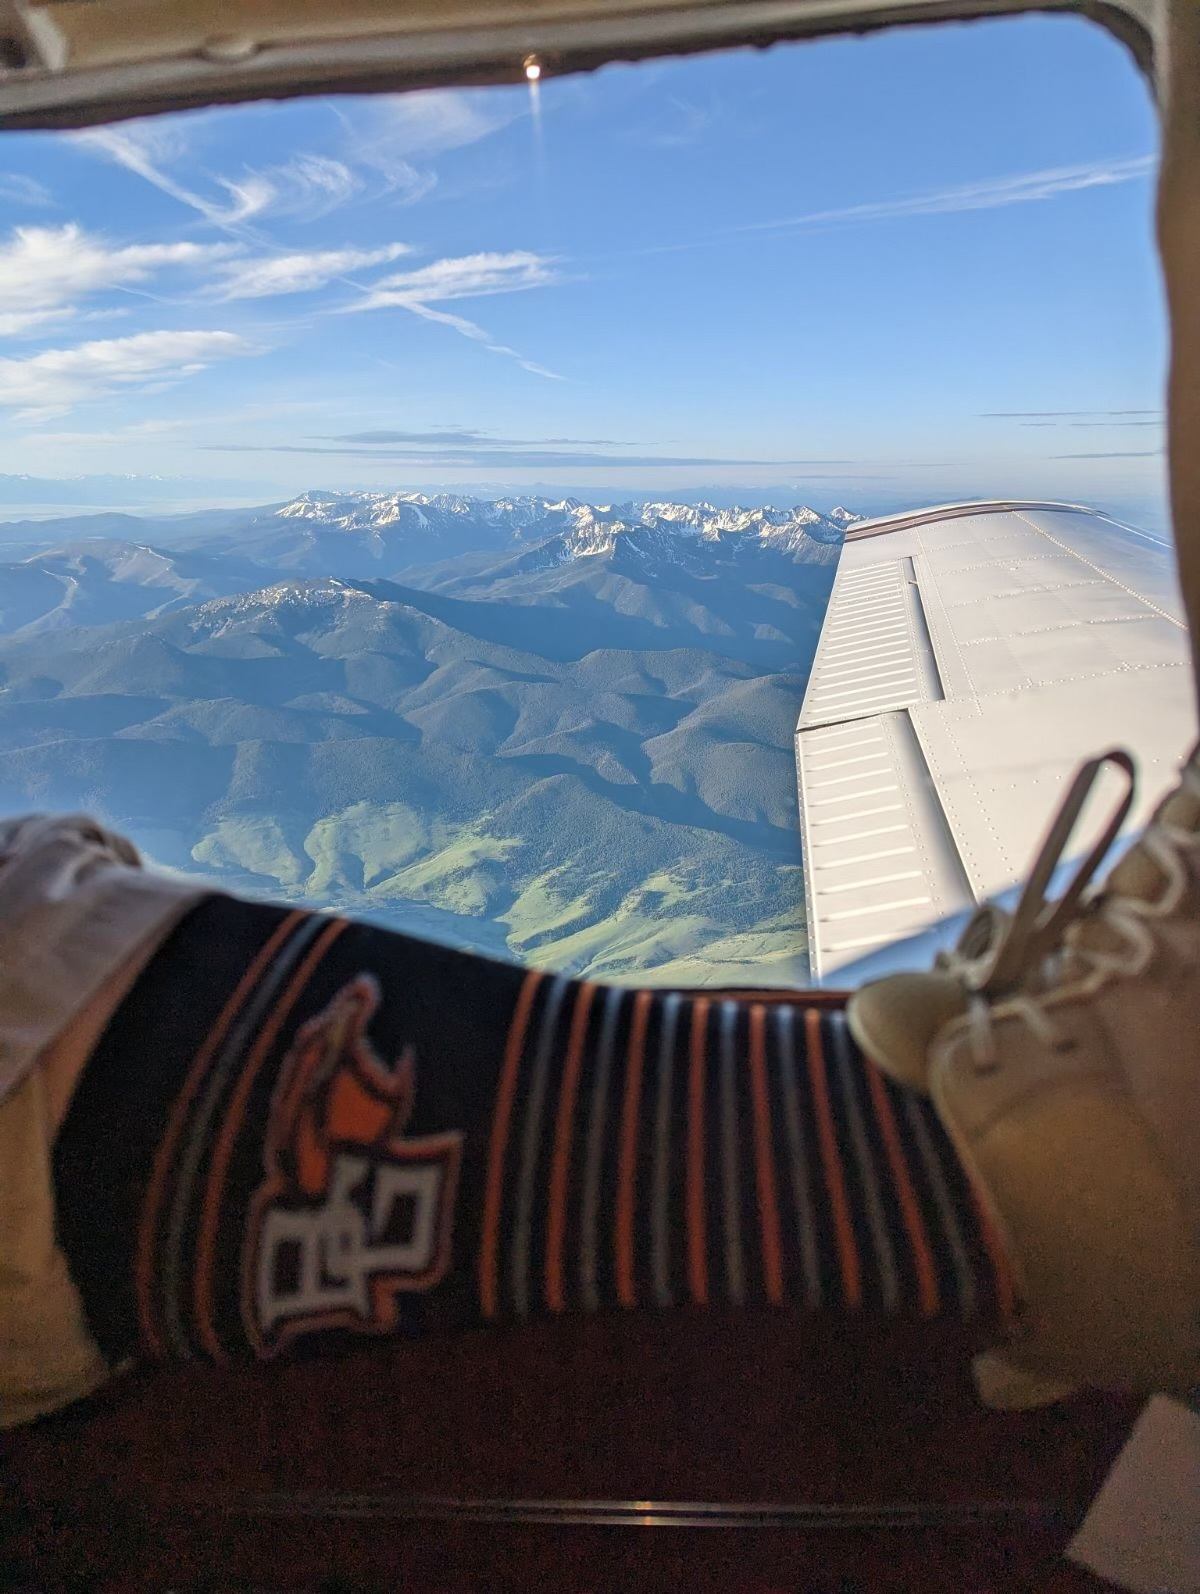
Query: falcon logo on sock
351	1213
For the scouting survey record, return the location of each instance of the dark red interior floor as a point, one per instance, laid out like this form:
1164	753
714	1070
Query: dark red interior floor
163	1482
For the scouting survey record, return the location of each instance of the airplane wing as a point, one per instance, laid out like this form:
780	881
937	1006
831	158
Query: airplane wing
971	657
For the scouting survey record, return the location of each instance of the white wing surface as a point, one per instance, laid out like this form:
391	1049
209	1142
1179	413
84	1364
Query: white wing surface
970	657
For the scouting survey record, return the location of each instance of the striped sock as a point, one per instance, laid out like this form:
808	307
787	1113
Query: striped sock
654	1149
300	1128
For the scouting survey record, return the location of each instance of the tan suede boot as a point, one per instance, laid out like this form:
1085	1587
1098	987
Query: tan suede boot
1061	1047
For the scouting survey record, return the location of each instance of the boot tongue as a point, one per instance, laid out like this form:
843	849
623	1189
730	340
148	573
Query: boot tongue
1137	875
896	1020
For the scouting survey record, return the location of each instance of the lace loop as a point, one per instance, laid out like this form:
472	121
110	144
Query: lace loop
1070	937
997	950
1038	923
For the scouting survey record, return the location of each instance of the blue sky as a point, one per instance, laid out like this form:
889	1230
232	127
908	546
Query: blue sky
889	270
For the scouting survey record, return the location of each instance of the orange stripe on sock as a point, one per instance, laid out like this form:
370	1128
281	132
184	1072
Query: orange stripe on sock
561	1161
164	1157
210	1211
501	1120
927	1286
764	1160
627	1152
835	1181
696	1211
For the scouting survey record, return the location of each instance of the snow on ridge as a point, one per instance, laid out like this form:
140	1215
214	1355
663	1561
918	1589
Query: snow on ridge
295	593
588	528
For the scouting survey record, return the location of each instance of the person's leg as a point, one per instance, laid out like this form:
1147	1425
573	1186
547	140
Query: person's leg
297	1129
78	919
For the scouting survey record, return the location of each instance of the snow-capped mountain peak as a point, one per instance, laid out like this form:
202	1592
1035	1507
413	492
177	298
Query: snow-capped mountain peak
649	528
321	538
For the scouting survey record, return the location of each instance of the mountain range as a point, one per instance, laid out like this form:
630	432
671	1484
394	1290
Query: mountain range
547	730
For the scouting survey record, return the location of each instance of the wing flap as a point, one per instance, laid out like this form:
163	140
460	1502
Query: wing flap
978	654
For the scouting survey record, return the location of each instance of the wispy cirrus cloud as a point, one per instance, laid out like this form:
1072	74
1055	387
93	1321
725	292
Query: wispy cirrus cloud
382	155
477	334
465	436
1023	415
523	457
307	186
269	275
149	149
53	381
311	185
397	136
1026	188
16	189
386	144
1138	453
462	277
434	121
45	272
465	277
1083	420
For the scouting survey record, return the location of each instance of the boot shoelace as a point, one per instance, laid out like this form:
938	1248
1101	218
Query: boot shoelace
997	951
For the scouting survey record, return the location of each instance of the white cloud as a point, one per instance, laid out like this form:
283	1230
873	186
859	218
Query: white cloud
18	190
51	382
397	135
1024	189
465	277
317	183
308	185
46	271
15	323
147	148
385	141
412	126
402	181
477	334
297	273
247	196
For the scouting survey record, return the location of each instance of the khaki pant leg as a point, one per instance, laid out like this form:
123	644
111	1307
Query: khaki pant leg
48	1357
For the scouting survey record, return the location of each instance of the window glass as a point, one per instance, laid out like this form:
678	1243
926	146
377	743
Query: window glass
427	506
